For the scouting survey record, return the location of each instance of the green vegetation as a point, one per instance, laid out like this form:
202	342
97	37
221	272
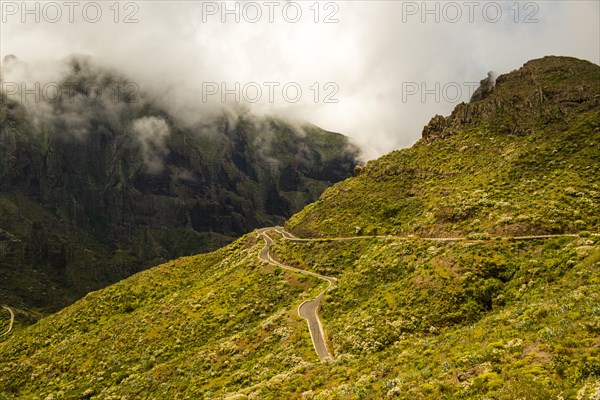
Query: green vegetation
473	182
408	319
195	325
461	319
487	317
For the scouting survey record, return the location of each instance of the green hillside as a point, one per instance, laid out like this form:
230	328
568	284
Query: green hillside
495	313
524	160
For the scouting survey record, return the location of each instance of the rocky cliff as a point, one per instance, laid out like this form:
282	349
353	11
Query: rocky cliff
93	191
544	91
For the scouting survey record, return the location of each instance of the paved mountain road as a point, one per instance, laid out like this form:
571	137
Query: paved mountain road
12	320
309	309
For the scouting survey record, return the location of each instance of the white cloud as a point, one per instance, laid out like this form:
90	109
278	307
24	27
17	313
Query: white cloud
371	54
151	133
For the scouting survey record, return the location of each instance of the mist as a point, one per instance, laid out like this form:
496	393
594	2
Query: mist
152	133
376	71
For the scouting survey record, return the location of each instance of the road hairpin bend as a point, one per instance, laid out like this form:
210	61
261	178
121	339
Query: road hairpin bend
308	310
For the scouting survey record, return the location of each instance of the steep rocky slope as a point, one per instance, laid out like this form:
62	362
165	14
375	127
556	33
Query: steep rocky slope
93	191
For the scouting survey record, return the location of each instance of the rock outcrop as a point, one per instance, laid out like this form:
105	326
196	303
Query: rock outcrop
486	87
525	100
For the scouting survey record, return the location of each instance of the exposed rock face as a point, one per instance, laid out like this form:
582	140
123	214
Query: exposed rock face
97	191
525	100
486	87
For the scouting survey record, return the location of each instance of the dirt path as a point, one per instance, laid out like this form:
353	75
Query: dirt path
12	320
289	236
309	309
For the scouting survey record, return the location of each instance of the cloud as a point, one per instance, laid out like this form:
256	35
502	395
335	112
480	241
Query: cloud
152	133
364	61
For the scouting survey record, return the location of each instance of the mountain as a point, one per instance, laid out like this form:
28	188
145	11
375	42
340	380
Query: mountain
467	267
94	188
524	163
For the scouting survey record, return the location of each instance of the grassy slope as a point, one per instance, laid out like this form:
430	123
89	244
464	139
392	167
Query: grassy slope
410	319
194	325
419	319
524	160
473	182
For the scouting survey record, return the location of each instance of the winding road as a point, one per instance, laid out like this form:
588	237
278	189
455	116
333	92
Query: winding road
12	320
309	309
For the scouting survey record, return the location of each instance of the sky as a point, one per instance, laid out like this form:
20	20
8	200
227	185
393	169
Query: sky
376	71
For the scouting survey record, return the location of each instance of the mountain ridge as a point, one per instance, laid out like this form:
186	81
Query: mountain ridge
439	198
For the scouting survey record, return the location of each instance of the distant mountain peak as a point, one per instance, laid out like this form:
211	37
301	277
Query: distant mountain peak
542	91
